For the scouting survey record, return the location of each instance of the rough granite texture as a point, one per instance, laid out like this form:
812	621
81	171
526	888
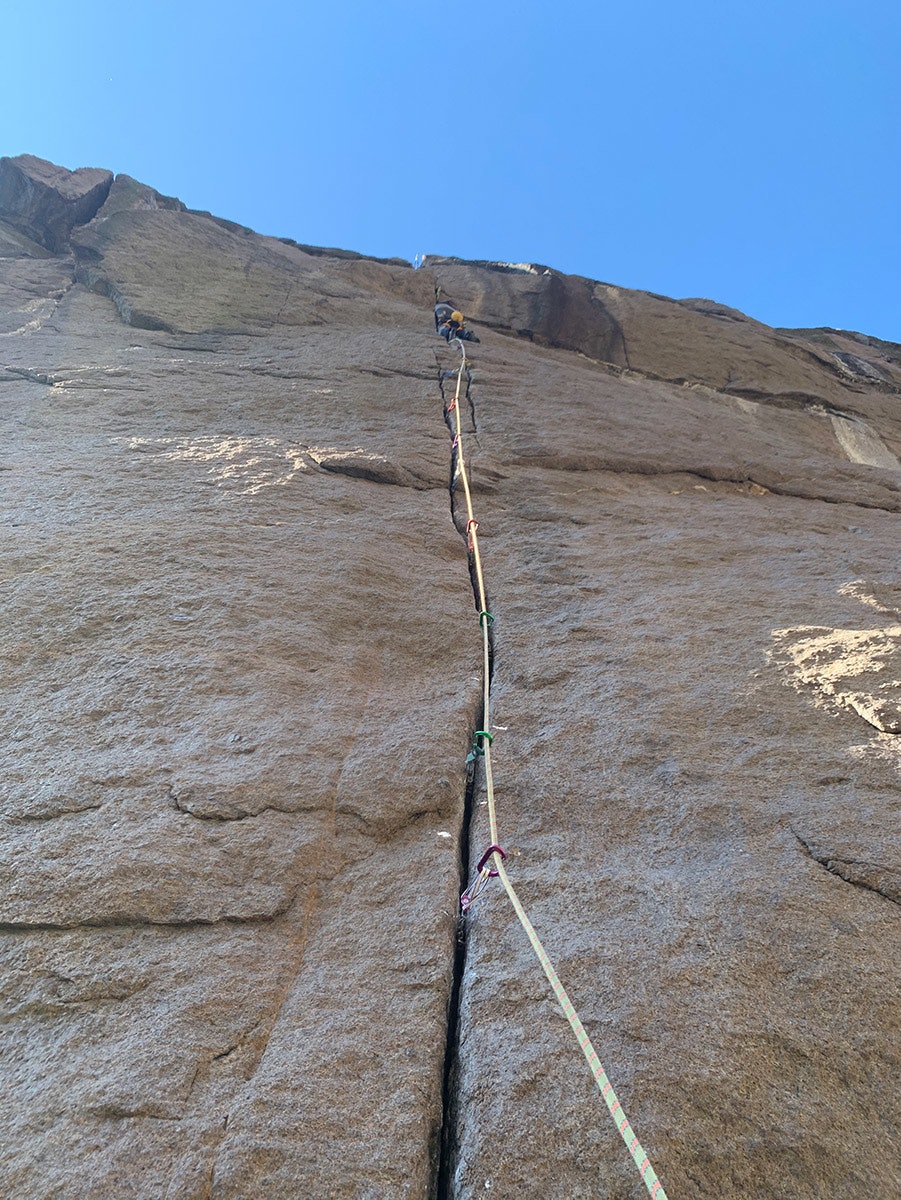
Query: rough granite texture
240	679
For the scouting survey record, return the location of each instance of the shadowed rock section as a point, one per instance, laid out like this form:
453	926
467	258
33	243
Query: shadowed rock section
45	203
241	679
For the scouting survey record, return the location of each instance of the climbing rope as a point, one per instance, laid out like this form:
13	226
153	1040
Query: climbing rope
491	864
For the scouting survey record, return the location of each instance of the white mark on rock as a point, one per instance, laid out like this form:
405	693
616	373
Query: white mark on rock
241	465
858	670
862	444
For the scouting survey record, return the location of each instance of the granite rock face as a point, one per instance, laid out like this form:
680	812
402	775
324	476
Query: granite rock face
241	677
45	202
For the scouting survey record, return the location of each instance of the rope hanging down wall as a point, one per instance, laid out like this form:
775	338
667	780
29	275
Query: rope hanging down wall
491	864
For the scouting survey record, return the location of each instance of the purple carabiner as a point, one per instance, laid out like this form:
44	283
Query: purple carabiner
488	853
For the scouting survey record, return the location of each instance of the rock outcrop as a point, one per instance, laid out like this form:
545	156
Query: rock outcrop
241	678
44	202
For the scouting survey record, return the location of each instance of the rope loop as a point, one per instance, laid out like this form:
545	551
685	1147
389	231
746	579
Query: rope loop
483	615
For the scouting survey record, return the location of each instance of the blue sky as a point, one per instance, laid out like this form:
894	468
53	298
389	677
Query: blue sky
745	151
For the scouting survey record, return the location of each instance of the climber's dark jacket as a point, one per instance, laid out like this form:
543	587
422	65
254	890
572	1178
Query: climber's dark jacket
448	327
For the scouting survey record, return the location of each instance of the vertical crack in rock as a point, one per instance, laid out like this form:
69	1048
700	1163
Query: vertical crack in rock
443	1184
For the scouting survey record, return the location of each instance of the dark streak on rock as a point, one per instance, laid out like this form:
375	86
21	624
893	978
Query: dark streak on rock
145	923
55	816
116	1112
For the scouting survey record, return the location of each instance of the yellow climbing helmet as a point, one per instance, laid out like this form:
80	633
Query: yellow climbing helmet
458	317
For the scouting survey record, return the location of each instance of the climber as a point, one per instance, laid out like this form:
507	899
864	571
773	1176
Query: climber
449	323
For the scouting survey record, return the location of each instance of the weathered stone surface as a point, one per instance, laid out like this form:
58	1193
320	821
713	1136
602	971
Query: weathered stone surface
14	244
46	202
30	292
694	342
126	193
240	682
